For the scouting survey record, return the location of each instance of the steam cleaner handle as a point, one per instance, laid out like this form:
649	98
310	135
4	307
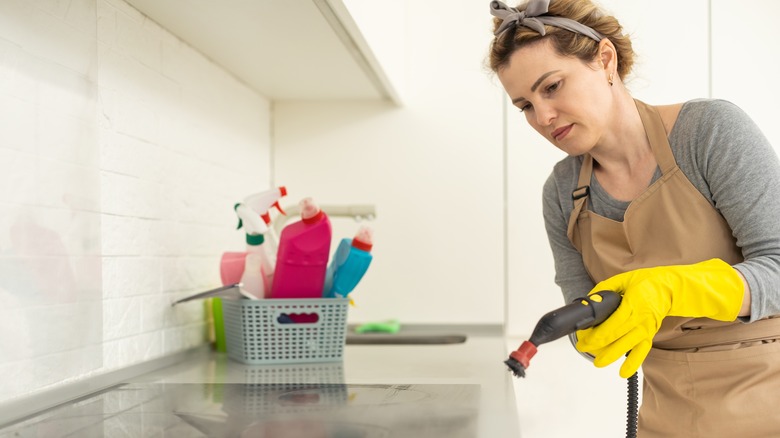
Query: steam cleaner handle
579	315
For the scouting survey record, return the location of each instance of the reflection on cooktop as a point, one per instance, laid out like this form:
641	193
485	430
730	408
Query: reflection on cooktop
285	410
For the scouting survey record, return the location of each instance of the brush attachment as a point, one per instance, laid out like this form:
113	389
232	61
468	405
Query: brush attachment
520	359
582	313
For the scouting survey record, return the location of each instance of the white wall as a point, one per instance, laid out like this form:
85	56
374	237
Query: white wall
122	154
432	167
747	59
49	202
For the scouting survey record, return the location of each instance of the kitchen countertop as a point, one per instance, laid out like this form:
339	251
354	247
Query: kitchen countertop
452	390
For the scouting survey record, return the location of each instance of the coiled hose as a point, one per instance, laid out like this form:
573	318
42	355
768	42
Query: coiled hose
633	406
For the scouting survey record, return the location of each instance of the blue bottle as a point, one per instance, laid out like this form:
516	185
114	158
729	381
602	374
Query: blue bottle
350	262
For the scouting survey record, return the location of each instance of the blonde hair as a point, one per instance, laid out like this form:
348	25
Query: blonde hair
565	42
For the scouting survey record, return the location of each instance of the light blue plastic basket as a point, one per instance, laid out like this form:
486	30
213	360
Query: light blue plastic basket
256	331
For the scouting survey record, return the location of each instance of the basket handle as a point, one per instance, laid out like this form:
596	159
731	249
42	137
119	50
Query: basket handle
293	319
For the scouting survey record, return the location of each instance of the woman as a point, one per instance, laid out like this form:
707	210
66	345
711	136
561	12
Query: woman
676	207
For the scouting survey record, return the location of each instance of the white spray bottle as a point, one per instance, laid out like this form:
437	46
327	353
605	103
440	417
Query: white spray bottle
261	203
254	216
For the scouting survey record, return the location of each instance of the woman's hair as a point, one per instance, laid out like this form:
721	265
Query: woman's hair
565	42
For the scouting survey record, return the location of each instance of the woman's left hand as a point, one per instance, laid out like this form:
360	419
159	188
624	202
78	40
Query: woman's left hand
711	289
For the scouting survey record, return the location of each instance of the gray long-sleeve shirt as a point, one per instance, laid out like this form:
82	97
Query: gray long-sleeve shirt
727	158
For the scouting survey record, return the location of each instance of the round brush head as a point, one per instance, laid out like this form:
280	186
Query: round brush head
519	359
516	367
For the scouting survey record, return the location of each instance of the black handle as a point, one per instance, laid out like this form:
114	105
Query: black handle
582	313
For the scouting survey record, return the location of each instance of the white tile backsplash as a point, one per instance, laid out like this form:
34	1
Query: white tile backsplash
122	152
57	181
124	195
124	155
19	171
185	273
17	123
133	349
60	137
47	36
121	317
139	40
127	236
156	313
16	78
131	276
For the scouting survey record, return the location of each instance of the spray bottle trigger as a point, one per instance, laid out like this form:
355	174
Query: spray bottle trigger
240	224
279	207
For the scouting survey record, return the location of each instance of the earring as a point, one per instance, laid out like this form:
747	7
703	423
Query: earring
611	75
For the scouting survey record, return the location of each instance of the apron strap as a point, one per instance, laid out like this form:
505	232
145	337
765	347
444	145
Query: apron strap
580	195
659	142
656	134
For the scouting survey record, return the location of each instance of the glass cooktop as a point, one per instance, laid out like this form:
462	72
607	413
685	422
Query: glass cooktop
284	410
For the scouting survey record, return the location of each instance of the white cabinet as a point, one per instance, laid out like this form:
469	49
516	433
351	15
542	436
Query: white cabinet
284	49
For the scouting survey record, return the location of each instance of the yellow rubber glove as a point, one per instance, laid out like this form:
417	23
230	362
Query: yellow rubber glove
711	289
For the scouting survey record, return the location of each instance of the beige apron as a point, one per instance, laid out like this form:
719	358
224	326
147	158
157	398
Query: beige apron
703	378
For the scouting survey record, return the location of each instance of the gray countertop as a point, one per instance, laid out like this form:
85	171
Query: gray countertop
449	390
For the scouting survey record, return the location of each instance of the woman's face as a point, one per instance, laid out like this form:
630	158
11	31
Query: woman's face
564	99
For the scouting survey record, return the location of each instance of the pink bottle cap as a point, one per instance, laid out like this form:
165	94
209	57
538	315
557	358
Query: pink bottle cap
364	239
310	212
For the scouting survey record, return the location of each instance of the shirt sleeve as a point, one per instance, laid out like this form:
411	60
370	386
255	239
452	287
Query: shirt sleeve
736	164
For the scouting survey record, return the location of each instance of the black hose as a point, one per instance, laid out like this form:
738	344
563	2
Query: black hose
633	406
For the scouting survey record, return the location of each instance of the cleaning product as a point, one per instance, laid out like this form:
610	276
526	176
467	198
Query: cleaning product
233	263
391	326
262	203
302	258
231	267
220	340
256	271
254	283
254	215
350	262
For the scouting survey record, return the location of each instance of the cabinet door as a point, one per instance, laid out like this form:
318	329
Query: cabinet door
745	60
669	68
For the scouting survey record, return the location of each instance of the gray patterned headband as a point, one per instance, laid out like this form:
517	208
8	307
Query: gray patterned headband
534	18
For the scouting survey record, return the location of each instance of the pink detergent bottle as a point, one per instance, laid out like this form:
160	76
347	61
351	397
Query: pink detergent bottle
302	257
